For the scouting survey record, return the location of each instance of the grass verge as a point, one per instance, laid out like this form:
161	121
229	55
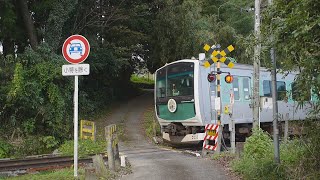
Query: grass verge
150	123
61	174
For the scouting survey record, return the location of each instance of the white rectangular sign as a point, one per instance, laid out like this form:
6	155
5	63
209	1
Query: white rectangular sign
217	103
75	69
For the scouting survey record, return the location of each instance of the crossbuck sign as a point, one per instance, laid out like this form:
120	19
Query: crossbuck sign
218	56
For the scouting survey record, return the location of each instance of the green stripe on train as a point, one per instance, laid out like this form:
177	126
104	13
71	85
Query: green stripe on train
184	111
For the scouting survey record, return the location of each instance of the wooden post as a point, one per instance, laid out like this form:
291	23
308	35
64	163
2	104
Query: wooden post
99	166
111	162
116	156
123	161
286	129
90	174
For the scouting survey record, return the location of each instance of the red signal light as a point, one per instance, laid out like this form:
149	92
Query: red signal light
228	78
211	77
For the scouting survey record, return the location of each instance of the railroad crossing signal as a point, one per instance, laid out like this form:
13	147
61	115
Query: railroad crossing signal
218	56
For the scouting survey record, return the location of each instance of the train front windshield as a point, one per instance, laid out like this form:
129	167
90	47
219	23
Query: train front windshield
175	81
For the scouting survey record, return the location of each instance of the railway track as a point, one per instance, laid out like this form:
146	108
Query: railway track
40	163
144	150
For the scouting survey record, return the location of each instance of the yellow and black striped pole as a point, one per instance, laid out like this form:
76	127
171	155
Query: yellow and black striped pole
219	109
218	93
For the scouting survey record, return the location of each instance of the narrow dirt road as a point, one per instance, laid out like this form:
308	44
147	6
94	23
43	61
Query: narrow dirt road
150	162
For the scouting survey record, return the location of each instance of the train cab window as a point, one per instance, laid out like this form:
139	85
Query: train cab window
236	92
180	79
281	89
161	83
246	88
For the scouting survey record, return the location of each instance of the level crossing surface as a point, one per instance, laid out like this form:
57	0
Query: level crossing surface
152	162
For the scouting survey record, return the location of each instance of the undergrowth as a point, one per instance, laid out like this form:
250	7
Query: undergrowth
85	147
299	157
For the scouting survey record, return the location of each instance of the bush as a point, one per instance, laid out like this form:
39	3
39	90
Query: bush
35	145
291	154
86	147
257	160
5	149
300	158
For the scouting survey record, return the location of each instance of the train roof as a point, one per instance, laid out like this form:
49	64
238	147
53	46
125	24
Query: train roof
236	65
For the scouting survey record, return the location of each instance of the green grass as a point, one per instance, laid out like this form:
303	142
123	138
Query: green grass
86	147
151	125
67	174
136	79
62	174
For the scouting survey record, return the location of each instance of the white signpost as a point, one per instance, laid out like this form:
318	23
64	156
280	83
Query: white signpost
75	50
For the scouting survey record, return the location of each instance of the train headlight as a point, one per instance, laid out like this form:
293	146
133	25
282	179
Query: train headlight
228	78
211	77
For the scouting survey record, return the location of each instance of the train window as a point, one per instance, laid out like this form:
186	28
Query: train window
266	88
180	79
298	95
281	89
161	83
246	88
235	84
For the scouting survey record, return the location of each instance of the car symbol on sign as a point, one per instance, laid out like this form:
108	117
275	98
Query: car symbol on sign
75	48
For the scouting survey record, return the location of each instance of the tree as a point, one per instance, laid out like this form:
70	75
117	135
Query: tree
28	23
295	27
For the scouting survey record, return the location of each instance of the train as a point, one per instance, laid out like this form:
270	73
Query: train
185	101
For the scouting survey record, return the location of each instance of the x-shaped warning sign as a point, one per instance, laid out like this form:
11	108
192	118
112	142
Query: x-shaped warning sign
218	56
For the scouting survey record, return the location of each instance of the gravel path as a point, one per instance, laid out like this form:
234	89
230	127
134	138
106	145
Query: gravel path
150	162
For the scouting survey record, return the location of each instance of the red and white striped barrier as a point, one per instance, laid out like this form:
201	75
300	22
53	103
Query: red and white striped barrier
213	127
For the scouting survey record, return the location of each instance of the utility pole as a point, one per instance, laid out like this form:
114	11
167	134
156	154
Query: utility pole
256	66
274	101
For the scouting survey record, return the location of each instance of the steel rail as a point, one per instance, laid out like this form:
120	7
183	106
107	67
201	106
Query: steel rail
40	163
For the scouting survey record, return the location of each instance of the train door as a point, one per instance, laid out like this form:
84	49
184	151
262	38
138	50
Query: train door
236	97
242	89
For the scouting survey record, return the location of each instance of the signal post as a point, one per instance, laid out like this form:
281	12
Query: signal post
217	57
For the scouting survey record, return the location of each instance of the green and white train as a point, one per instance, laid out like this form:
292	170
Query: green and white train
185	101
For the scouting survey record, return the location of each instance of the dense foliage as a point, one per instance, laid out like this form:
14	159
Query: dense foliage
36	100
181	28
295	27
299	157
